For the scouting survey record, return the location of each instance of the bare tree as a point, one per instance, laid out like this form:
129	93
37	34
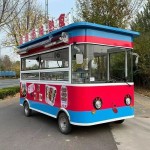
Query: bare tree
30	17
9	9
135	6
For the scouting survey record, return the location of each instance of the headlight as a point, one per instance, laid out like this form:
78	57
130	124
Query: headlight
97	103
127	100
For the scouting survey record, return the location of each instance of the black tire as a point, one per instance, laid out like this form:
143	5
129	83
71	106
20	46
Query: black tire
119	121
27	110
63	123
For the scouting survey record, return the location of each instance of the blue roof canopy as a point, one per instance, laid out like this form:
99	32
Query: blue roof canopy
79	25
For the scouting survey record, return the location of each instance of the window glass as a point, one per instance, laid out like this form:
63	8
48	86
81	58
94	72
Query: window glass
55	76
30	63
130	66
79	71
23	64
56	59
50	60
94	66
30	76
117	66
96	60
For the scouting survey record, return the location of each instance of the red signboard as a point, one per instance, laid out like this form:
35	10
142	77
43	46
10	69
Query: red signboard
41	30
27	37
51	25
61	20
21	40
33	34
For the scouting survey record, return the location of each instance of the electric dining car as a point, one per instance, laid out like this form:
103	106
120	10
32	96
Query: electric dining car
80	74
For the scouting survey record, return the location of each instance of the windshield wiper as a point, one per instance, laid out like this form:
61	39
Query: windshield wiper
122	79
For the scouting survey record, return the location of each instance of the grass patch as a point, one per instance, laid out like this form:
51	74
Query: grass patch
11	91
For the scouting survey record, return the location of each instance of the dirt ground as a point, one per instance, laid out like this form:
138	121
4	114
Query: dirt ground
145	92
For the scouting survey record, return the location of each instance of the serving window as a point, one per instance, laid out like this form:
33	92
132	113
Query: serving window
30	63
45	64
55	59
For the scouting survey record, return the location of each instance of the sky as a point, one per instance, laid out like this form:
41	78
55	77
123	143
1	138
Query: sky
55	8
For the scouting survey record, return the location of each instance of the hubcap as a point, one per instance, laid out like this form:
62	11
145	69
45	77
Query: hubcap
63	123
26	109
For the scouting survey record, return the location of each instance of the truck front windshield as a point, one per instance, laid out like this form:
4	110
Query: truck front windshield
101	64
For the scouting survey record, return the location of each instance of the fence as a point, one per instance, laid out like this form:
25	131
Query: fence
7	74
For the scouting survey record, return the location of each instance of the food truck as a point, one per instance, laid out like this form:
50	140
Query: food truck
80	74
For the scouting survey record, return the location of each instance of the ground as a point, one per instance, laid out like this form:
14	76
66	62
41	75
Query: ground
134	134
143	91
18	132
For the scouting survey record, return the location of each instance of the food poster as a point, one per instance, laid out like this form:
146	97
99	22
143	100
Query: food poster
43	93
35	92
23	90
50	92
64	96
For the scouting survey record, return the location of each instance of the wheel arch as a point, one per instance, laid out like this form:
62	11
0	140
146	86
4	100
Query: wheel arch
64	111
26	101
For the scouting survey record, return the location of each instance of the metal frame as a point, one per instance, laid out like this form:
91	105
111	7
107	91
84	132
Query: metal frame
49	70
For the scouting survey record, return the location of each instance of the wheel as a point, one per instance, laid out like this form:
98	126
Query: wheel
119	121
64	124
27	110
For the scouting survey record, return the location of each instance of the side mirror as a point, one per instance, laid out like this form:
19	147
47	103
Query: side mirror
79	58
137	58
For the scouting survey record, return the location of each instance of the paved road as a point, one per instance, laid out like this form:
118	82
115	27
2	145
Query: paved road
40	132
9	82
134	134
